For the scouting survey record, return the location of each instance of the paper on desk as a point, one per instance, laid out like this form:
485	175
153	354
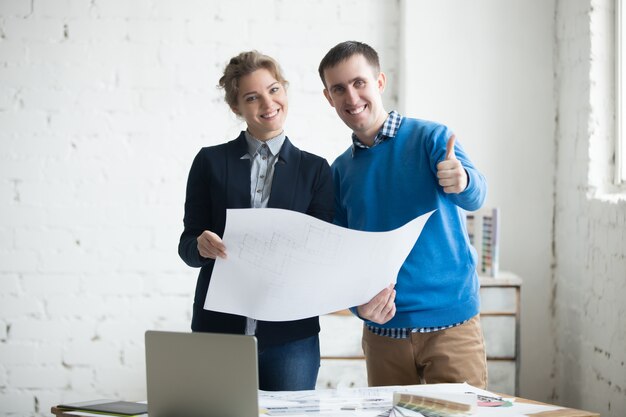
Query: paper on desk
284	265
377	401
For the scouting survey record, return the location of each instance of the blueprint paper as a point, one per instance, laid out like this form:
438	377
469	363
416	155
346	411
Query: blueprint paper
284	265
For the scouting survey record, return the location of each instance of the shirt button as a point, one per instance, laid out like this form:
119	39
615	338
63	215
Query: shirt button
262	176
264	158
258	191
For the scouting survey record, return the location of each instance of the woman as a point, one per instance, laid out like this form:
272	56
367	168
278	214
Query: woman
260	168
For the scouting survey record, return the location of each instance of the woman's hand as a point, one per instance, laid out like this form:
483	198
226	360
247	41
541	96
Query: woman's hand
211	246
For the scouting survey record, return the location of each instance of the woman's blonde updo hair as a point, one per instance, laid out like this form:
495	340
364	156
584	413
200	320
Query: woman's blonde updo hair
243	64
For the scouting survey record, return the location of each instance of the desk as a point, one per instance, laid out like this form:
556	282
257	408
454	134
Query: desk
562	412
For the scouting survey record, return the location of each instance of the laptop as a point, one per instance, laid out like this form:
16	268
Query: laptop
201	375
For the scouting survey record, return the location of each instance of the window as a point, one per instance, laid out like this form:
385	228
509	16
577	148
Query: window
620	99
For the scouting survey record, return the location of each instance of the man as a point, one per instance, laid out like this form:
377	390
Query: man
427	328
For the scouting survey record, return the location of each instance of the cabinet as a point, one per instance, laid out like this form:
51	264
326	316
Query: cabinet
500	320
342	356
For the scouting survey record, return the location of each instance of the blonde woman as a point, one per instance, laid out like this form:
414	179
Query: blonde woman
260	168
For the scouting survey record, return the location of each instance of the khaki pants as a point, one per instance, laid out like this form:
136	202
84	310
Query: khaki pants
452	355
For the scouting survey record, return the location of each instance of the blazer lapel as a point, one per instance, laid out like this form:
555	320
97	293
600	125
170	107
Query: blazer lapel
238	175
285	179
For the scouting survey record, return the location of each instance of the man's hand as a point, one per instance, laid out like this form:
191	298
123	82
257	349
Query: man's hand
381	308
451	174
210	245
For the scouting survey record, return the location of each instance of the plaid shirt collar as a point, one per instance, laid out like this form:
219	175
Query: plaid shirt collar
254	145
389	130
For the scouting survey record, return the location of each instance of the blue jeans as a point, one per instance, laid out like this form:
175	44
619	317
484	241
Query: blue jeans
291	366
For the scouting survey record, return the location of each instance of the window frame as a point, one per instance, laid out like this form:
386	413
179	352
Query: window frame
620	96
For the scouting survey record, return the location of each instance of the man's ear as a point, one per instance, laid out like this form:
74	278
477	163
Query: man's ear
381	81
328	97
235	110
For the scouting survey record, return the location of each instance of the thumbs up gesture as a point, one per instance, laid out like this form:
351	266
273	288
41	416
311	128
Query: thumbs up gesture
451	174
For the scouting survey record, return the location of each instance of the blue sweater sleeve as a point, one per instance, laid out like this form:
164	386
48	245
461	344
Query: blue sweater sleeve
473	197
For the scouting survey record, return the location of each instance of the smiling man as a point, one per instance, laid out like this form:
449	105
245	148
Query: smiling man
427	328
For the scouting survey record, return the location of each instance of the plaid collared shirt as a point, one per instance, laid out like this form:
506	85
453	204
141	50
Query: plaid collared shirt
404	332
389	129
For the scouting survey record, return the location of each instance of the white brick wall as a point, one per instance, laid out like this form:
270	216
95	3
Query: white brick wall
103	105
590	233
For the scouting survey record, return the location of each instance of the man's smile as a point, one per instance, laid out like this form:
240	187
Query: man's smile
357	110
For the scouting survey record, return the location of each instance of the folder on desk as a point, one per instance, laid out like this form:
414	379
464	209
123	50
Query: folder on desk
102	407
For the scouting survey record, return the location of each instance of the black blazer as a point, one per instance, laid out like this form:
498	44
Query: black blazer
220	179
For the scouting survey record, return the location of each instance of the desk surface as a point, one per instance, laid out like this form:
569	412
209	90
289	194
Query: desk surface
564	412
375	400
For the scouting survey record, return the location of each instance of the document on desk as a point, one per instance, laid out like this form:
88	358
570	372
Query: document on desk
283	265
379	402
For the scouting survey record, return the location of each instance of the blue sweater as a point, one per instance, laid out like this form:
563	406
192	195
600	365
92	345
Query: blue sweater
386	186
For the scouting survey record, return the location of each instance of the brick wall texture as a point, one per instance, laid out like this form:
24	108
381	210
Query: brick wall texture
589	282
